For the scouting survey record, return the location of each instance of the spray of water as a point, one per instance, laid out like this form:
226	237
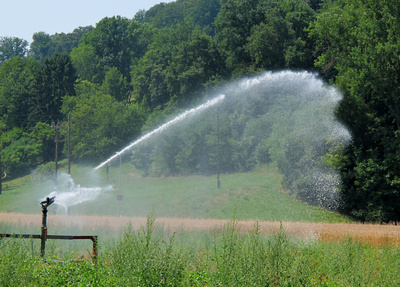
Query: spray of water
285	117
297	106
69	194
165	126
300	109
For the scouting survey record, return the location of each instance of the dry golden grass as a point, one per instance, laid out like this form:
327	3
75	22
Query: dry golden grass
373	234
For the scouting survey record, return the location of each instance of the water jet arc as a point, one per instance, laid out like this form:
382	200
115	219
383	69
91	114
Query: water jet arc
164	126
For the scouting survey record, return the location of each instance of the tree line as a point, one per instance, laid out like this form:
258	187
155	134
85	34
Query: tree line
123	76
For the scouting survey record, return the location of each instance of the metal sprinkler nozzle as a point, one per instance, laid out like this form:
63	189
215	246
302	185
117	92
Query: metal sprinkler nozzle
47	202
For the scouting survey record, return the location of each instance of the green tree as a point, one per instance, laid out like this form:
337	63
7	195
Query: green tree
280	41
65	42
113	40
139	16
195	64
86	61
55	80
16	84
11	47
264	35
266	43
358	42
1	175
203	14
19	152
45	45
166	14
43	135
116	85
101	125
149	75
41	47
233	26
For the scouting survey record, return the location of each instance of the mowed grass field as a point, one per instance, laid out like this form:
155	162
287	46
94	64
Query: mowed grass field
257	195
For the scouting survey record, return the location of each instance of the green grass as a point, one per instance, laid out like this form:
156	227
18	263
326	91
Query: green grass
152	256
256	195
224	257
20	194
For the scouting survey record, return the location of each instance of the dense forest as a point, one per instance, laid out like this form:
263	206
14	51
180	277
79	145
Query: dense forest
124	76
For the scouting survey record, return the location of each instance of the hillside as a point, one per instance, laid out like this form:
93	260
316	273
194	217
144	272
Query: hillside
256	195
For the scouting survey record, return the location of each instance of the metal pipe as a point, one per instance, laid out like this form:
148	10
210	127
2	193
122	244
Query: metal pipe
34	236
218	181
94	239
44	236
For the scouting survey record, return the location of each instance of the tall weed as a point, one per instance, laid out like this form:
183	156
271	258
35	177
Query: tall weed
227	256
145	258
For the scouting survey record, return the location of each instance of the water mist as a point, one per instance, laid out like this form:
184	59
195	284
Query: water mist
292	116
69	194
172	122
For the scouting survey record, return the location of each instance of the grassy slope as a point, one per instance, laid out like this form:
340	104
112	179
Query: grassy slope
257	195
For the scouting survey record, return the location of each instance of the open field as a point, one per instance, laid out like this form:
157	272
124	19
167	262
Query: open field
212	250
373	234
190	203
256	195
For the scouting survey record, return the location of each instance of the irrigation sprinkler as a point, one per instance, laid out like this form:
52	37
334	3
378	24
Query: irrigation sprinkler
44	236
46	203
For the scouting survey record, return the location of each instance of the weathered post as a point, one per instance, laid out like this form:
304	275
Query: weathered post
43	236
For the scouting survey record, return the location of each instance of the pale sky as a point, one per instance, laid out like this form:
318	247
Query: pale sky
23	18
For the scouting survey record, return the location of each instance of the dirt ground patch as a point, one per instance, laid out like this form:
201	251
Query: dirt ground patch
367	233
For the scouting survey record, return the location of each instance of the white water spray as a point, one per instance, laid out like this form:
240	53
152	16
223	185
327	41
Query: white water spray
165	126
68	194
294	121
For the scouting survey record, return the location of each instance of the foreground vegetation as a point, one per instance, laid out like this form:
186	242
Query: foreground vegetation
225	257
153	256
